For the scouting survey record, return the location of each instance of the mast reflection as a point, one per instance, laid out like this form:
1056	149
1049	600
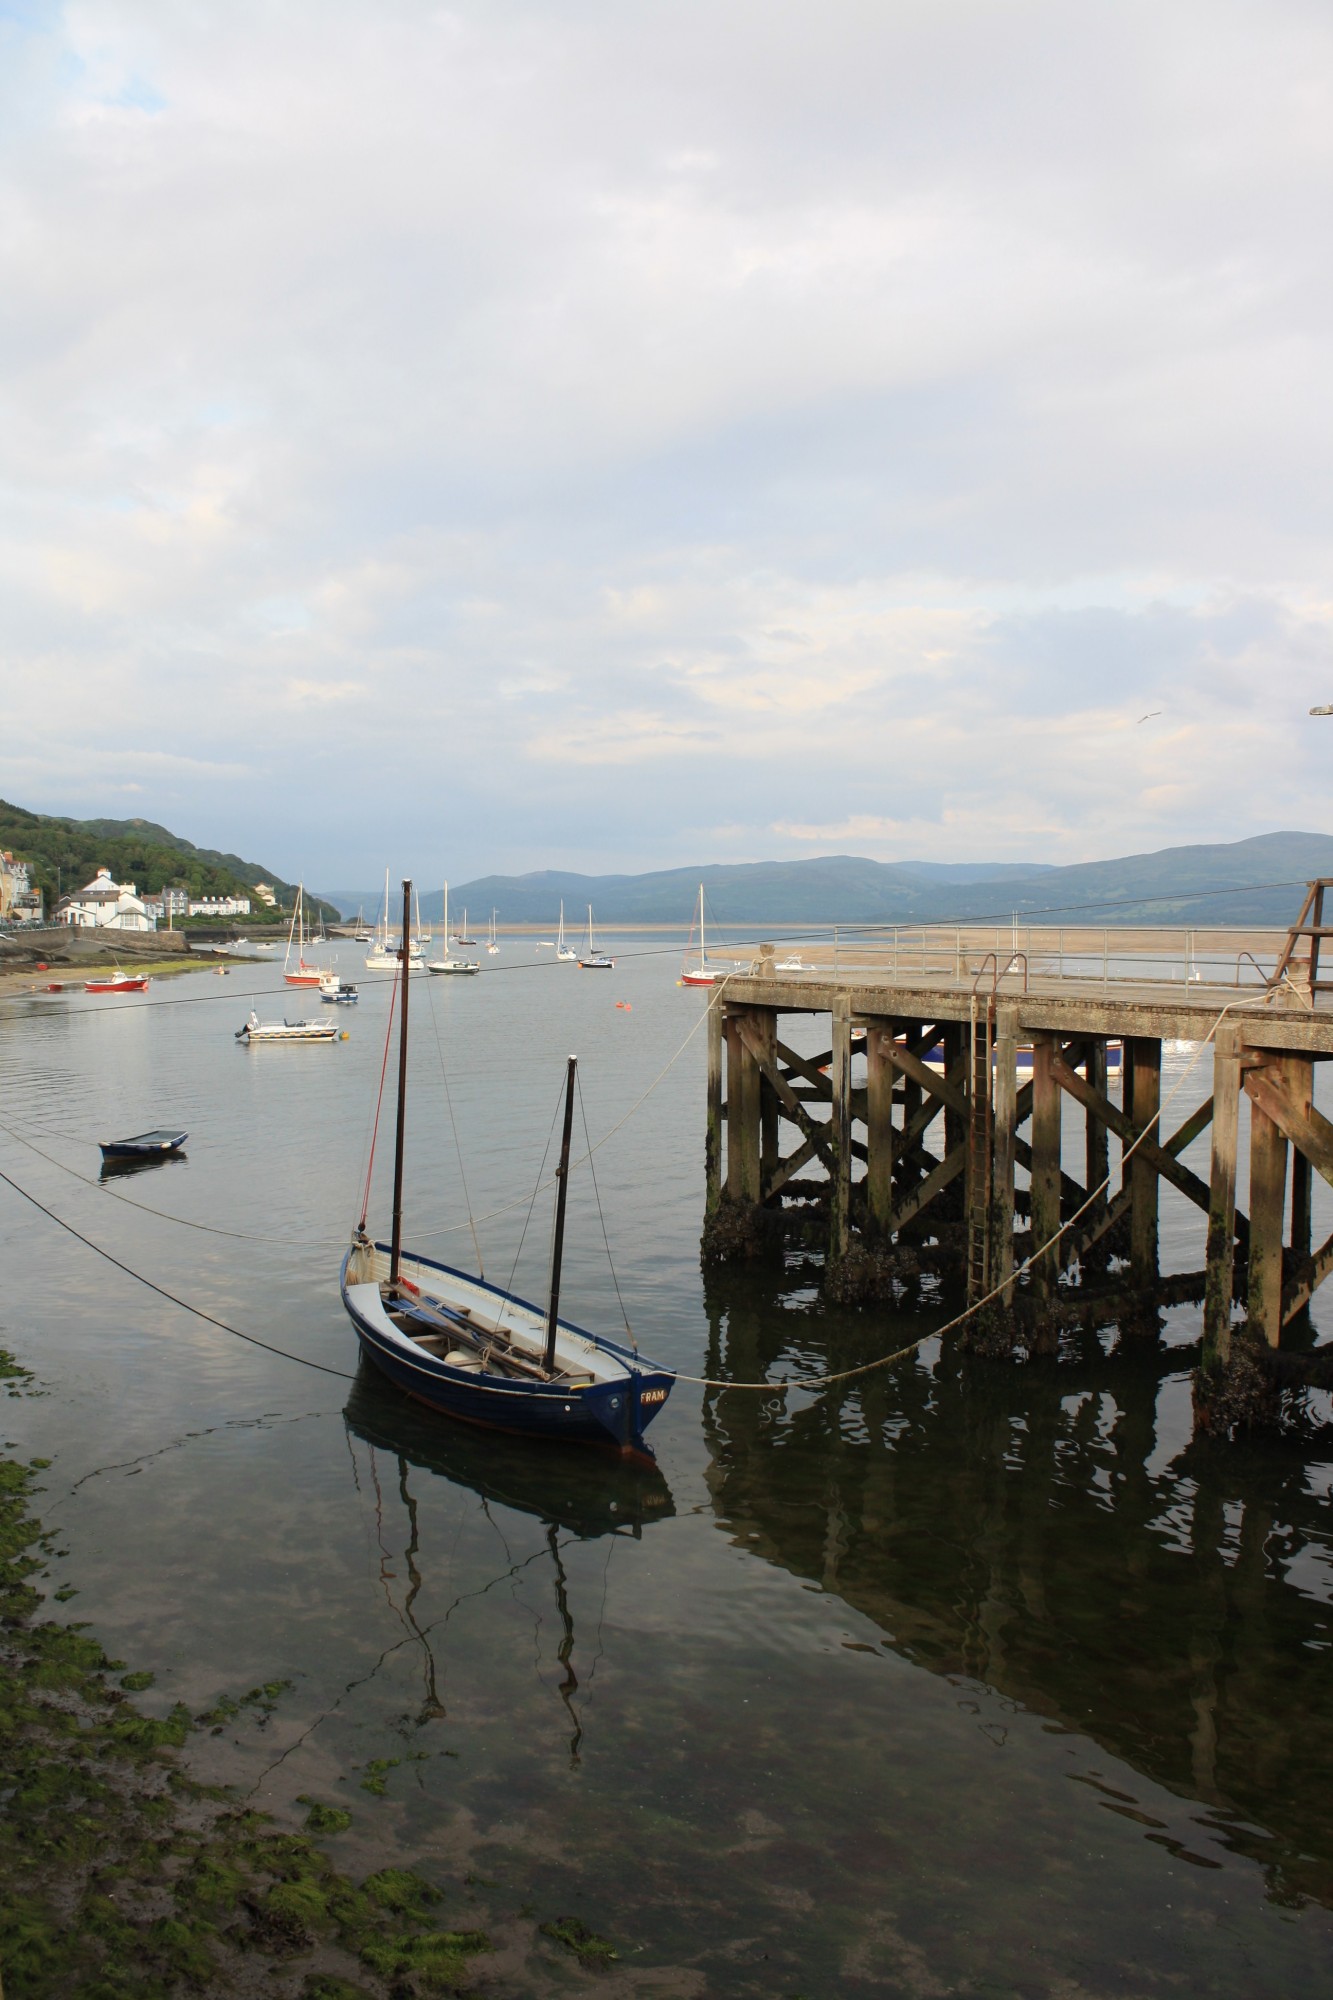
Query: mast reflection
573	1492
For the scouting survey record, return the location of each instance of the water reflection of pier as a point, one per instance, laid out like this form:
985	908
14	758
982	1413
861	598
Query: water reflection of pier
1032	1529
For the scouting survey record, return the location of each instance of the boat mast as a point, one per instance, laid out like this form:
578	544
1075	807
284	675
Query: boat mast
396	1243
562	1191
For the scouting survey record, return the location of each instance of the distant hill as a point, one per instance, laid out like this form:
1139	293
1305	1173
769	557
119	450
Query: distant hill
66	853
1223	883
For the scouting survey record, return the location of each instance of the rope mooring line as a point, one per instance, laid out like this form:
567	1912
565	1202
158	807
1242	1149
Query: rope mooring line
251	1339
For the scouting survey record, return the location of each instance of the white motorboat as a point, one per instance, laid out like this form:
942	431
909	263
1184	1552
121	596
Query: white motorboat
256	1030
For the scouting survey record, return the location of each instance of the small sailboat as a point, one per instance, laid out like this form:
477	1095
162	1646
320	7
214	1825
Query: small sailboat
361	935
700	972
563	950
386	951
472	1351
462	937
492	942
592	958
449	963
300	973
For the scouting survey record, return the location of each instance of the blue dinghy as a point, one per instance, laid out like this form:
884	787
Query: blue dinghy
474	1352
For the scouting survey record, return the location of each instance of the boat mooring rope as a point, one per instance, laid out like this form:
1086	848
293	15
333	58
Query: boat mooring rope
252	1339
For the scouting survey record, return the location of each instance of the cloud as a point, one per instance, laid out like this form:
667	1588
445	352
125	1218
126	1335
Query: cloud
802	423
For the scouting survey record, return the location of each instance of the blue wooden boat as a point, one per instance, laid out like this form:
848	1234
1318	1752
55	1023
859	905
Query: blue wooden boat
477	1353
145	1145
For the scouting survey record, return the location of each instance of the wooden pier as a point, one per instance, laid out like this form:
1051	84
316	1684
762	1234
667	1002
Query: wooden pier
894	1146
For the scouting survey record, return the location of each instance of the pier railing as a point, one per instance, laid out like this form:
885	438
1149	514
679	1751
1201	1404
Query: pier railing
1029	956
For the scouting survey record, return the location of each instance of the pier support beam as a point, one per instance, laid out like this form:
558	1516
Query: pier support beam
1221	1252
713	1128
880	1135
840	1203
1045	1212
1004	1111
1143	1059
1268	1201
1097	1160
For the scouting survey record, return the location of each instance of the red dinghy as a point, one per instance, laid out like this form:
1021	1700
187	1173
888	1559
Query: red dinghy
123	982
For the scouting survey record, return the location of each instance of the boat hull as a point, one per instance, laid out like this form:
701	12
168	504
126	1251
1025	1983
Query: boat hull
115	985
144	1146
614	1413
698	978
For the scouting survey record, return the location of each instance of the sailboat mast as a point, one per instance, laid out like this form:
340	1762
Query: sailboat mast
396	1243
562	1192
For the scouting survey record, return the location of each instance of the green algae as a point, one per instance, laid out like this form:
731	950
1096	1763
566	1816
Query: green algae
101	1825
585	1944
323	1818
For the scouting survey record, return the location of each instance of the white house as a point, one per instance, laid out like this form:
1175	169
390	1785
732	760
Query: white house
20	903
106	905
221	906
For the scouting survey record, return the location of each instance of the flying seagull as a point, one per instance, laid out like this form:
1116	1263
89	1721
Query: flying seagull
1149	716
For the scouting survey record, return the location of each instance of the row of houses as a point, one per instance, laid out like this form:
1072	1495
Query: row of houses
20	903
104	904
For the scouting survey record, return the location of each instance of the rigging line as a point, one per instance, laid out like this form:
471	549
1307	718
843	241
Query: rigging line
379	1100
508	1292
583	1113
960	1319
453	1127
252	1339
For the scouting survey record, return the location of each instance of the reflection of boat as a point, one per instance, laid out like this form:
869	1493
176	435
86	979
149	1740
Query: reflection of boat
449	963
473	1351
113	1170
256	1030
576	1495
592	958
150	1146
584	1493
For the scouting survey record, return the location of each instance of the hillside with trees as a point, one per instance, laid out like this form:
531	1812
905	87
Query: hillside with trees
65	853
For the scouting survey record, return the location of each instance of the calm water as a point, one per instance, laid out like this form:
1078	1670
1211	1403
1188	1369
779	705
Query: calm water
955	1680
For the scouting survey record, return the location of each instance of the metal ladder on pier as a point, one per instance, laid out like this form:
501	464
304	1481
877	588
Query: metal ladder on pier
981	1070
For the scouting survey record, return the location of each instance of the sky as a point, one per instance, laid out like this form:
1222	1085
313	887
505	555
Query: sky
496	437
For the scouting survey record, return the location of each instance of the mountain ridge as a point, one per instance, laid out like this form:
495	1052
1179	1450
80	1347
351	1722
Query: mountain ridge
1253	881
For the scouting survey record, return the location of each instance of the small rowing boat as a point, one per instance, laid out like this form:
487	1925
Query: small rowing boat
145	1145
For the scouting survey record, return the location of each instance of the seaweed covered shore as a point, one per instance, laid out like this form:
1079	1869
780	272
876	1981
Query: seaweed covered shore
123	1878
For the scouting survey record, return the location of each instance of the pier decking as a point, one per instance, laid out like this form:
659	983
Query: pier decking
898	1141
